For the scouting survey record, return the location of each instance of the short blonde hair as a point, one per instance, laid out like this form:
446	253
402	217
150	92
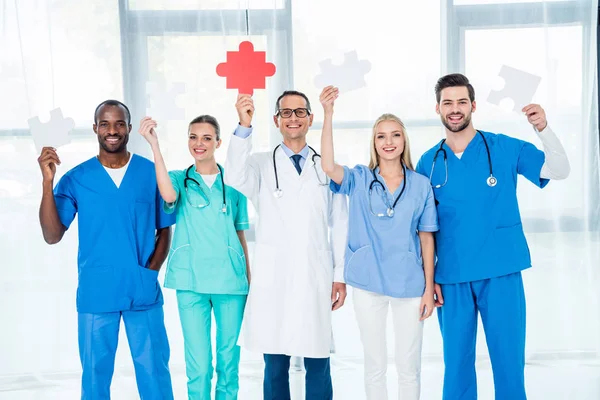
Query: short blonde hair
406	159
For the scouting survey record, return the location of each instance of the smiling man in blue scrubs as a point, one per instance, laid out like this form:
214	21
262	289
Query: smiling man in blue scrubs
481	247
124	239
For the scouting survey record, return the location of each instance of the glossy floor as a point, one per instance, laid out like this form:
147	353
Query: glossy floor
549	381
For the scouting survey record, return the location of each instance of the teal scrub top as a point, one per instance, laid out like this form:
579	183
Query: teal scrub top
481	235
206	255
117	234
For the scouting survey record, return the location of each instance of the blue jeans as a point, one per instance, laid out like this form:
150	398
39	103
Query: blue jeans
276	384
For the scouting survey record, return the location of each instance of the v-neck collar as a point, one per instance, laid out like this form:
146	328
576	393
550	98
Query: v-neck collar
197	176
107	175
468	152
399	188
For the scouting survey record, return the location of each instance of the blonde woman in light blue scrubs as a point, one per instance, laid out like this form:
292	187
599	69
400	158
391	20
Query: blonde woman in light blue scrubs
389	258
208	261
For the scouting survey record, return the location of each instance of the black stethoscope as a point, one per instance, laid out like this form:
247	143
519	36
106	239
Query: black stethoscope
187	177
491	180
390	209
278	193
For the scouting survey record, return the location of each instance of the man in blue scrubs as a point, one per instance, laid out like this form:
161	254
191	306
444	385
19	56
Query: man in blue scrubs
481	247
124	239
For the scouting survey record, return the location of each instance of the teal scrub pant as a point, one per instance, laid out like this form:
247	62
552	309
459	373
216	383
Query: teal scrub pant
195	315
501	303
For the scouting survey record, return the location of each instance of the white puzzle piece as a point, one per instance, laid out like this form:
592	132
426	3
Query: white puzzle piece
519	86
54	133
349	75
162	102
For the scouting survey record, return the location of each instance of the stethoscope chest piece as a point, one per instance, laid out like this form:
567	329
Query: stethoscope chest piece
390	212
278	193
492	181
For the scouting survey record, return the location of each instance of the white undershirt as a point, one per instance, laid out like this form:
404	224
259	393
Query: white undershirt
459	155
209	179
117	174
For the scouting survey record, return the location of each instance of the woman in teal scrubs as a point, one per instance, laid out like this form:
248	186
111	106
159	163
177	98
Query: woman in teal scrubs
208	261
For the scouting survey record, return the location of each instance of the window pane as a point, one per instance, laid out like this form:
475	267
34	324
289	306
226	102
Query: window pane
481	2
69	57
403	70
205	4
557	54
205	93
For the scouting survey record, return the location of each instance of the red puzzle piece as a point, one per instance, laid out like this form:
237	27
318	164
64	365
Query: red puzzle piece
246	69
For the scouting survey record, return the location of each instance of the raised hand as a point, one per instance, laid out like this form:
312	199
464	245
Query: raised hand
48	161
148	130
245	109
328	97
536	116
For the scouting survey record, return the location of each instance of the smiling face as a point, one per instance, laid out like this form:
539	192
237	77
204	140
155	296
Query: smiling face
203	141
389	140
455	108
293	127
112	128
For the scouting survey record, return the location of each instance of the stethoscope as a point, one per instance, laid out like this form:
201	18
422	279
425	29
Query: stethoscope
390	209
491	180
187	177
278	193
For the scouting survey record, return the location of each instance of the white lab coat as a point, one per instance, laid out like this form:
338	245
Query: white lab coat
299	252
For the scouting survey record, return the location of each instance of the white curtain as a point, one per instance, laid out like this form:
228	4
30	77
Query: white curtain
74	54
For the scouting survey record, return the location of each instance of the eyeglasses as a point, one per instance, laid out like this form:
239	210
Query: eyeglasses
287	112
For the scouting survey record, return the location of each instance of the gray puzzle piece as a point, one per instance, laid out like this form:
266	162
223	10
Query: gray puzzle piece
520	86
54	133
162	104
346	77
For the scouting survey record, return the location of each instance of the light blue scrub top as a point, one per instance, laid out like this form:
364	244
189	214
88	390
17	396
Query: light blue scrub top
481	235
206	254
117	229
384	254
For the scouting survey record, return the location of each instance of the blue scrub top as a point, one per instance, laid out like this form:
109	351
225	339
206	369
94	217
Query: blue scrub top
117	230
384	254
481	235
206	254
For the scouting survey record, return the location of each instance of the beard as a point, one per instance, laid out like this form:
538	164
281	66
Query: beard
457	128
110	148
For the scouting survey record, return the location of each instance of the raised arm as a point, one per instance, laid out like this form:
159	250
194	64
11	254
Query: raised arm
52	227
333	170
556	164
165	186
242	173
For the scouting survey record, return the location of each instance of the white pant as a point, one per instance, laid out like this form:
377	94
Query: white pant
371	314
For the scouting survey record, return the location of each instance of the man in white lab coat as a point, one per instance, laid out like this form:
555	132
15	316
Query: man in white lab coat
297	268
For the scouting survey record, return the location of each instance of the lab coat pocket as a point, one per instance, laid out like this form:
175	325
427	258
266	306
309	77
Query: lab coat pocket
359	265
264	268
323	273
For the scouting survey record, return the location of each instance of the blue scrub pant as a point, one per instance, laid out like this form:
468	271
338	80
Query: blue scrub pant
195	315
501	302
147	337
276	384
